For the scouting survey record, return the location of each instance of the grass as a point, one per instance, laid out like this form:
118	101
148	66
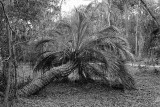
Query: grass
60	94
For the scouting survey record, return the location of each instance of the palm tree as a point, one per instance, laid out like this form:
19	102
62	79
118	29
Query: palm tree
100	54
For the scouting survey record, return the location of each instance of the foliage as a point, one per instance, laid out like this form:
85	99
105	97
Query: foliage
30	10
30	19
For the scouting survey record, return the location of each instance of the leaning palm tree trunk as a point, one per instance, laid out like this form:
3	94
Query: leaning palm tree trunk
41	81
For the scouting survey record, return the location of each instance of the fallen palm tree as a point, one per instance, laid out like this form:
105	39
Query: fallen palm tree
102	57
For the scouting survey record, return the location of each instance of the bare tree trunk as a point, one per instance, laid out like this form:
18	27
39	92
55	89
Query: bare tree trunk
126	20
39	82
60	14
15	69
7	94
141	44
109	12
136	43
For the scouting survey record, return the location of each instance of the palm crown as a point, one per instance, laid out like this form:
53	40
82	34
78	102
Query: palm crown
98	54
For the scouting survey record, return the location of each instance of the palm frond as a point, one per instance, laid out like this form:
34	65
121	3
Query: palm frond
106	61
101	43
126	78
124	52
41	42
109	35
52	60
82	24
93	56
116	70
112	60
109	29
83	32
40	55
116	44
43	53
94	70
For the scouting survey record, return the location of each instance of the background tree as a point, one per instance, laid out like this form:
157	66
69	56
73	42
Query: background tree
18	18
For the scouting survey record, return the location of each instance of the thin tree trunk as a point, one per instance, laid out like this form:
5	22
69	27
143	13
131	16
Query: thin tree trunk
126	20
39	82
109	12
7	91
15	71
60	14
141	44
7	94
137	26
136	41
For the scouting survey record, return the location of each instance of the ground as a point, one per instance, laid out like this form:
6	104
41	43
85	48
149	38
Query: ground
98	95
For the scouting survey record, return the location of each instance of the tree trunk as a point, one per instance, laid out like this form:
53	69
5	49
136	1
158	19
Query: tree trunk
60	13
41	81
140	44
7	91
109	12
136	38
4	41
5	51
126	20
